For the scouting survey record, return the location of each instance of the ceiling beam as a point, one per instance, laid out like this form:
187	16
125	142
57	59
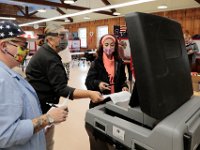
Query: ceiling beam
24	17
66	6
198	1
105	12
106	2
33	13
26	11
63	13
53	4
17	16
20	9
60	11
62	1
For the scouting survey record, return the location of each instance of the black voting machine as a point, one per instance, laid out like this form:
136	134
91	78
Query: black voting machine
162	114
161	64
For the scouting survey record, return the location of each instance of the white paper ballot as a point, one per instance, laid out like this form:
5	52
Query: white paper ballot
64	104
119	97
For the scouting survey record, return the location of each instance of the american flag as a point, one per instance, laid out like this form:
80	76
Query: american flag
9	29
123	28
120	31
123	31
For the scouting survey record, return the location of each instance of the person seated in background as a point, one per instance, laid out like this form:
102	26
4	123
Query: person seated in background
90	57
65	54
40	40
106	75
186	34
192	50
22	123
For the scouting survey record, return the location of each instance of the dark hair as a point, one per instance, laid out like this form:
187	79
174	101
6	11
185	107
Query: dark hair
100	48
40	36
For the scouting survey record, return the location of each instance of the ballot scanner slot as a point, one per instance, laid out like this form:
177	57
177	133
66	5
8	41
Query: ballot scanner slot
114	114
131	114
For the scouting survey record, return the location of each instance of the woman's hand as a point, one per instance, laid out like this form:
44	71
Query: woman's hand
104	86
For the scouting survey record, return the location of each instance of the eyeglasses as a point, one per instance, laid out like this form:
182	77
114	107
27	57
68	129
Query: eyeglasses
60	35
55	34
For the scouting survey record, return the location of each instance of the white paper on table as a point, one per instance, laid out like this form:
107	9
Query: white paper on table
119	97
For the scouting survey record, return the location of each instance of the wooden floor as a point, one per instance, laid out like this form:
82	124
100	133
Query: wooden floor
71	135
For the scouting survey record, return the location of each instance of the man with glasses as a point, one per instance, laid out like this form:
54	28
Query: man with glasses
46	73
22	123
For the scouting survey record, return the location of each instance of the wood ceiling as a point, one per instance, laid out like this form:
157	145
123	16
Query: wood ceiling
198	1
27	10
12	9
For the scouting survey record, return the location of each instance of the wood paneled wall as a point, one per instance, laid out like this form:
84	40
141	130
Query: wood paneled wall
92	27
36	31
188	18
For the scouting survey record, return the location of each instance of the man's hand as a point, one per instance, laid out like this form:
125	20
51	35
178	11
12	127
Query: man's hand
58	114
95	96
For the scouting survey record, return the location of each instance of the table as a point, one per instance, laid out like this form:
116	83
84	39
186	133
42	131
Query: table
82	53
82	56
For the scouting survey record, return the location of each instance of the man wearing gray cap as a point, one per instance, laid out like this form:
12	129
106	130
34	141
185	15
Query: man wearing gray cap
46	73
22	123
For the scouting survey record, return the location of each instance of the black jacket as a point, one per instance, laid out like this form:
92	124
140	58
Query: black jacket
97	73
45	72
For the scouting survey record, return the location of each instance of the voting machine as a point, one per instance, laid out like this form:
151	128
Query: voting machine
163	113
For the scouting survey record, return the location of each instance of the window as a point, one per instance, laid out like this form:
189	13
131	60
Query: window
82	32
101	30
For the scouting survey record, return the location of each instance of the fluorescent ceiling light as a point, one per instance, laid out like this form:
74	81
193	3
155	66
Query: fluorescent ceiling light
69	2
116	13
86	18
67	20
7	18
162	7
89	11
41	10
